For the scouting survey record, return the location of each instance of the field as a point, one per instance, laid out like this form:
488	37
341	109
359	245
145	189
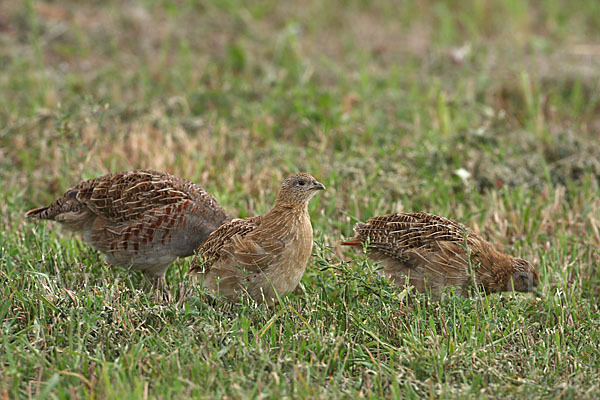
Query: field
487	112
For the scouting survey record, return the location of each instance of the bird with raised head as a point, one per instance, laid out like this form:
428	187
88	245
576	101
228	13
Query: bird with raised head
139	219
431	252
263	257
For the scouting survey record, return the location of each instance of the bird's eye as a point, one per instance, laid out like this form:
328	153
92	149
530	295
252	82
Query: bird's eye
301	183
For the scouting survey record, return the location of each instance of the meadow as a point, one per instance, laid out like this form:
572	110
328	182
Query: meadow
487	112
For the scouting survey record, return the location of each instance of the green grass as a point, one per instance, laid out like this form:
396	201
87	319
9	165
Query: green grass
383	102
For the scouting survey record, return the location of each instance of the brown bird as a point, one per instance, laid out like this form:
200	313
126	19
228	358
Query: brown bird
262	256
434	252
139	219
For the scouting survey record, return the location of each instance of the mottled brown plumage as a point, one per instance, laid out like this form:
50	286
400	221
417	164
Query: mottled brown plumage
139	219
434	252
262	256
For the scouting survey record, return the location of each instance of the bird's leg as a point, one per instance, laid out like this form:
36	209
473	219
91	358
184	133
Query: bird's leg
185	289
160	289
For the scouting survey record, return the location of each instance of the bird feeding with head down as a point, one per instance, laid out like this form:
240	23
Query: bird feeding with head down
139	219
263	257
432	253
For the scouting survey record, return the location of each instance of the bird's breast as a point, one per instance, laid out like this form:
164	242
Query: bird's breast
296	235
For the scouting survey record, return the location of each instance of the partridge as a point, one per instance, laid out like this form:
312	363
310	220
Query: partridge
432	252
139	219
265	256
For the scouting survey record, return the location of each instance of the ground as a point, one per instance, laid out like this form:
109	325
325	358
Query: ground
487	112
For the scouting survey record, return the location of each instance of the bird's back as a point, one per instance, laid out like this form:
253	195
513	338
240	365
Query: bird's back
397	233
126	196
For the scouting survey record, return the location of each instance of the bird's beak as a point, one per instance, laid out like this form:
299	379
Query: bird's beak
318	186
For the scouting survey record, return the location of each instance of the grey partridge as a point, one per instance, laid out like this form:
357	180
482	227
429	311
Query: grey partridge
432	252
265	256
139	219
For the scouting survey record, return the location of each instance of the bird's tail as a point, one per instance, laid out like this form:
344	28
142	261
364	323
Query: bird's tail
64	204
352	242
40	213
355	241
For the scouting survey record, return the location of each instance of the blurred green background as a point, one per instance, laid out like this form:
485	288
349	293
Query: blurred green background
487	112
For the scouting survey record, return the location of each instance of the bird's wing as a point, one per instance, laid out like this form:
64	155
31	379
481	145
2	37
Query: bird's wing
128	195
256	251
178	227
420	230
402	234
225	241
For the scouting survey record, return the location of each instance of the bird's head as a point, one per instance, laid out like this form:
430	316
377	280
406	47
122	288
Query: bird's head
298	189
524	277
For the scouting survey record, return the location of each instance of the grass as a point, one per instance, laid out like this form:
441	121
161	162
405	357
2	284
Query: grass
483	111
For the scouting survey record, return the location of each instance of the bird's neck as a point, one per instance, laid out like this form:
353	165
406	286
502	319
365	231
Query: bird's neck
287	213
496	270
291	223
282	206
